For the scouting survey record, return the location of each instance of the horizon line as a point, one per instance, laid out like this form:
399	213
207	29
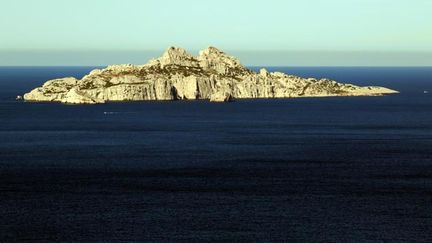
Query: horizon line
240	50
248	66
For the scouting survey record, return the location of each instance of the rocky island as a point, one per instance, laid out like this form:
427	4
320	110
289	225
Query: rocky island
177	75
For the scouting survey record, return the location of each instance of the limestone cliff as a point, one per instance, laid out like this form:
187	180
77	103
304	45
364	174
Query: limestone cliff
178	75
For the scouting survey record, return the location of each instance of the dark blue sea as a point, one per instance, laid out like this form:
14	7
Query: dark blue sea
345	169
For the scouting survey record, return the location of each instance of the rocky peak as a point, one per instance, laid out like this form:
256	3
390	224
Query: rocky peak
214	59
177	56
264	73
211	51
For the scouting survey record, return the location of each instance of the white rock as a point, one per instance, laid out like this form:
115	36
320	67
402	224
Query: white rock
264	73
221	97
74	96
211	75
177	56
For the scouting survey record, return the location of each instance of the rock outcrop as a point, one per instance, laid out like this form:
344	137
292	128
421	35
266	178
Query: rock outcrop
177	75
221	97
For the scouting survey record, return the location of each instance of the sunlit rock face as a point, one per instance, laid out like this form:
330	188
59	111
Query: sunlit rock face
177	75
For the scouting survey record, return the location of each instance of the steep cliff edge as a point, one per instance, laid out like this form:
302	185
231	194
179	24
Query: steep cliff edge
177	75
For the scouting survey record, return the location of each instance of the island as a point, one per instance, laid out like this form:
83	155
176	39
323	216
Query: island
177	75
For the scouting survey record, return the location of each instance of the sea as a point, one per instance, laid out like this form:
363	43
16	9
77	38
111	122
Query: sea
335	169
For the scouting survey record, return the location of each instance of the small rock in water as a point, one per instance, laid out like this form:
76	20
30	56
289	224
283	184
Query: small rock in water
19	97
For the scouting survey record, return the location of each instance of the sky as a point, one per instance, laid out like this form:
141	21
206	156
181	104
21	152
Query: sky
271	32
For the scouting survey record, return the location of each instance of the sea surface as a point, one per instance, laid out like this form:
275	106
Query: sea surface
344	169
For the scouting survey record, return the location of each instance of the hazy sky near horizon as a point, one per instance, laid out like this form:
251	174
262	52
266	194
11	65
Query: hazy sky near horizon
95	26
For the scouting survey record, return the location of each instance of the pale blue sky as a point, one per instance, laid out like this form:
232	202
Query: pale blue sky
31	27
